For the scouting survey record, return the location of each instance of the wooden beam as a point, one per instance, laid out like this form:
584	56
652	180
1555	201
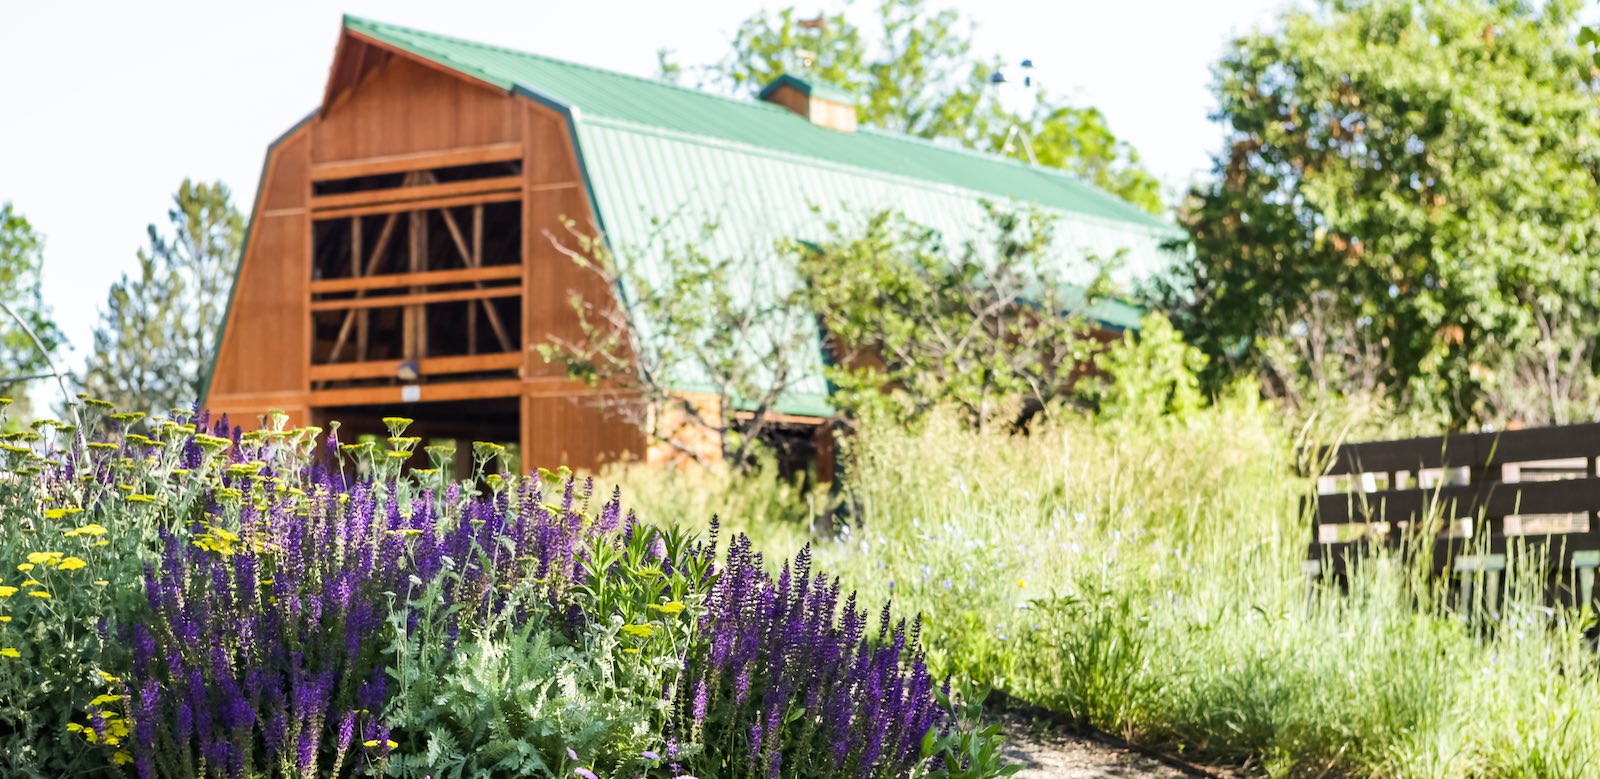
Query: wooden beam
403	163
426	393
430	366
424	278
472	257
377	253
417	299
420	205
417	192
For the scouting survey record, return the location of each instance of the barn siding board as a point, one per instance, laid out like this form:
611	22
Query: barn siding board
260	362
406	108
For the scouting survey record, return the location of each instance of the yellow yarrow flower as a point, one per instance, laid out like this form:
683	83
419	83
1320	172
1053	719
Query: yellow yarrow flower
120	757
102	700
671	607
44	558
7	591
642	631
10	652
39	594
72	564
140	497
24	567
31	583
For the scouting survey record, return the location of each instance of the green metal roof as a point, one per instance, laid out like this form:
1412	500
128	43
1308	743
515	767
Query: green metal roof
653	152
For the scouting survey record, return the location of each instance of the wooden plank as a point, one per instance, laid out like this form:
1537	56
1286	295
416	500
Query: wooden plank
429	160
417	192
420	205
428	366
422	298
423	278
1491	500
1471	450
464	390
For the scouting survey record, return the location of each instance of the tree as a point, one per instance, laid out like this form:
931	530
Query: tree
21	261
158	331
913	324
1425	177
921	78
701	347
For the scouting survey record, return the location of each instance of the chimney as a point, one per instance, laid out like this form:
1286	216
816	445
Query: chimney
825	105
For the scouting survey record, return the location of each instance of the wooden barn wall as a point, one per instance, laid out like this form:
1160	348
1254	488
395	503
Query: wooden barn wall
406	107
262	360
563	422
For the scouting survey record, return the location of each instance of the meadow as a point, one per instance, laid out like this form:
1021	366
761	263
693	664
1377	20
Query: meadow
197	601
1144	577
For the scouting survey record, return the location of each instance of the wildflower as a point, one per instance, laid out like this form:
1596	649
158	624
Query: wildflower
7	591
642	631
1021	584
44	558
120	757
91	529
72	564
670	607
648	755
39	594
585	773
102	700
140	497
10	652
31	583
25	567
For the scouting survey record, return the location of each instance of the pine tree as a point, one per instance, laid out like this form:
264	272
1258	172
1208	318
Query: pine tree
158	331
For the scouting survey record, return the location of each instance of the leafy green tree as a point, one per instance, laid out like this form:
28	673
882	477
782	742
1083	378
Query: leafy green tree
1418	181
702	349
915	72
990	328
21	261
158	331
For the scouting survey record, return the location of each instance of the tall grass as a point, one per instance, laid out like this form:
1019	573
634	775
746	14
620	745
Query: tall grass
1146	579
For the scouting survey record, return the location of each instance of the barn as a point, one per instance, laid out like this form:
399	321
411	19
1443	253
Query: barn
397	259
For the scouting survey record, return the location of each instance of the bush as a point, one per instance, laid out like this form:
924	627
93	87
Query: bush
278	605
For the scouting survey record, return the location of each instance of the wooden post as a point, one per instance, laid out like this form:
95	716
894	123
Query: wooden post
408	316
356	261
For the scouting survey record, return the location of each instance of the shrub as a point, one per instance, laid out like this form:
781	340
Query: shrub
283	606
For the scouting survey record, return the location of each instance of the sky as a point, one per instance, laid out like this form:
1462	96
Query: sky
105	107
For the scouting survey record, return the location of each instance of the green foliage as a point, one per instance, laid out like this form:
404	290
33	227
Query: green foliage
158	332
914	324
703	346
1148	374
511	702
1144	576
21	261
915	72
82	545
1413	186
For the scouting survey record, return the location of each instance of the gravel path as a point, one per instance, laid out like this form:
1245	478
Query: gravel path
1047	753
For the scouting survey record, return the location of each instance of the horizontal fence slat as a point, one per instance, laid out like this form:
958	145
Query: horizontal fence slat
1491	500
1470	450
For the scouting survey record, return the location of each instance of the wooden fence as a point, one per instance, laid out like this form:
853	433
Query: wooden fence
1470	496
